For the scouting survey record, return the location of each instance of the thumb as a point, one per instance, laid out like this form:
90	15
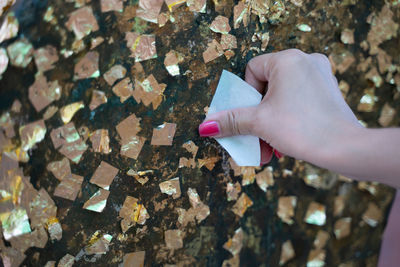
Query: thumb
240	121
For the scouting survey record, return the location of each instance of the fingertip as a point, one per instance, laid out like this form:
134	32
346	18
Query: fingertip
266	152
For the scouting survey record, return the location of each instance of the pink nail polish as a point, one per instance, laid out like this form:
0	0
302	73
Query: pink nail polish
278	154
209	128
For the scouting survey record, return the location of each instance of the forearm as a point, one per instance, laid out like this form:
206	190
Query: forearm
365	154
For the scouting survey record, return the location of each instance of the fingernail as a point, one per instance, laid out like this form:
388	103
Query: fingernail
209	128
278	154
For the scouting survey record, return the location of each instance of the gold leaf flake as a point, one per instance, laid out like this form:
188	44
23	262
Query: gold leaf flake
134	259
173	239
54	228
347	36
132	212
287	252
130	126
209	163
32	134
68	111
140	176
98	244
123	89
242	204
98	201
316	258
50	111
95	42
87	67
66	261
233	191
9	27
143	47
228	41
197	5
342	228
111	5
171	187
173	4
234	244
220	25
45	57
3	61
100	141
315	214
303	27
104	175
265	179
387	115
98	98
149	10
172	59
69	187
149	91
115	73
214	50
321	239
163	135
286	206
42	93
20	53
60	169
82	22
373	215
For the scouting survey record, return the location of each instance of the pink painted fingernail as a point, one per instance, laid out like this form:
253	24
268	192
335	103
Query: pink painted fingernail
278	154
209	128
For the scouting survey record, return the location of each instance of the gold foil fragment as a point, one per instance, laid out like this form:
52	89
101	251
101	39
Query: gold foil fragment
341	60
140	176
54	228
383	28
286	206
82	22
60	169
172	59
213	51
32	134
321	239
42	93
104	175
197	5
315	214
199	211
134	259
143	47
16	106
111	5
149	10
98	98
264	41
20	53
373	76
163	135
248	173
347	36
344	88
98	201
100	141
342	228
69	187
173	239
234	244
220	25
45	57
367	101
287	252
265	179
50	111
66	261
240	14
149	91
50	264
132	147
373	215
174	4
9	27
228	41
95	42
3	61
115	73
303	27
132	213
370	187
171	187
98	244
209	163
87	67
233	191
123	89
15	223
131	144
242	204
387	115
68	111
338	205
316	258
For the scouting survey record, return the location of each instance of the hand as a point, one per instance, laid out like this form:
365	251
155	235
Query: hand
302	113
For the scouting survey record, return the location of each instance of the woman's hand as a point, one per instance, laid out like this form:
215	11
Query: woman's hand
302	113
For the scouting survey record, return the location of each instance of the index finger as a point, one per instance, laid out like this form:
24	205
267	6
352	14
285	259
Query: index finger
258	70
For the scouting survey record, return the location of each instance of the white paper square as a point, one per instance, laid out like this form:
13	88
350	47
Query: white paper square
232	92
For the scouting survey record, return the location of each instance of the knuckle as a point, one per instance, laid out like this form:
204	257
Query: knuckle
292	57
233	123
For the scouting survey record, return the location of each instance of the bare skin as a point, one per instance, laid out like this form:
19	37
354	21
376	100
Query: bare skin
303	115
